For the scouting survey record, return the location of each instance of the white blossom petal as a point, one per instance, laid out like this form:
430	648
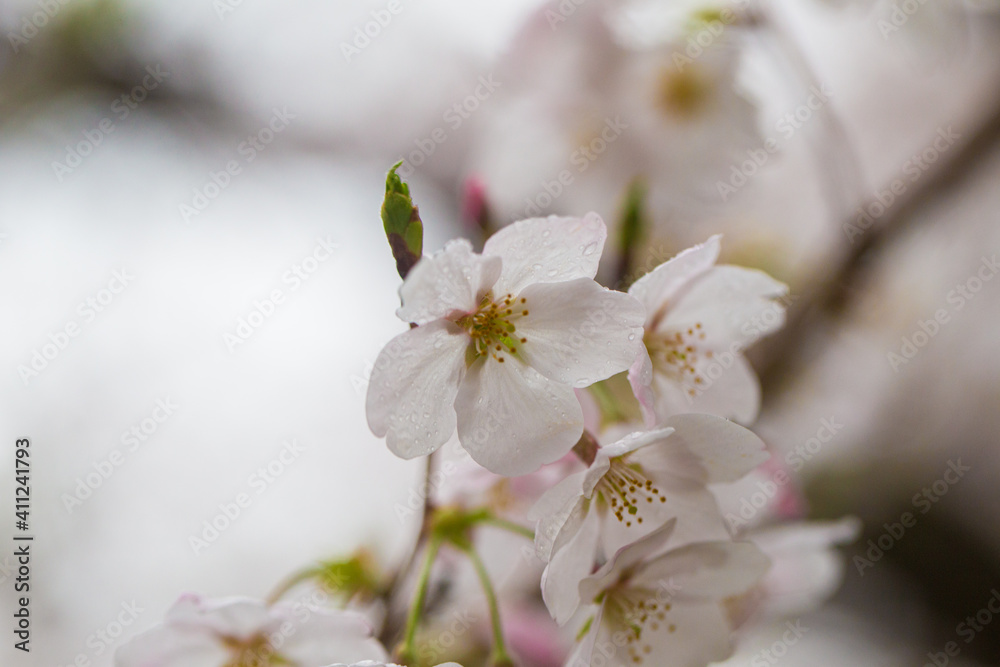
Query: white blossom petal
640	377
725	452
512	419
657	288
330	635
707	570
690	634
165	646
558	513
568	567
624	559
453	279
582	655
579	332
547	250
807	568
234	616
413	386
634	441
733	304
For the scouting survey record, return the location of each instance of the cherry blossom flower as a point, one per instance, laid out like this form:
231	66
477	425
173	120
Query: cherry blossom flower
699	319
242	632
633	487
666	609
501	341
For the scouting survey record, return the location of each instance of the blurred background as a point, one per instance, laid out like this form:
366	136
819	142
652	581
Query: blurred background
195	282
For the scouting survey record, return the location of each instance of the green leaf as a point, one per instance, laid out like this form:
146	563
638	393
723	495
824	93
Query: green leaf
403	227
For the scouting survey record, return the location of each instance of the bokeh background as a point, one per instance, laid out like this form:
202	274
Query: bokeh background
172	265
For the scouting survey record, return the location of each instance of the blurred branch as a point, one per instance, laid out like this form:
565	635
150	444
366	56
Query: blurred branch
784	354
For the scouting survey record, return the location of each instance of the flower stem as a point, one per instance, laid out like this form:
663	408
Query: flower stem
510	526
290	583
606	401
500	655
417	606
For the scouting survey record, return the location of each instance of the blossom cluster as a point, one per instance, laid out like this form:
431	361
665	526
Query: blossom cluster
503	341
608	418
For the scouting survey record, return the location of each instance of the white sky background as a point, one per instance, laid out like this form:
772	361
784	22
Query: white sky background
297	376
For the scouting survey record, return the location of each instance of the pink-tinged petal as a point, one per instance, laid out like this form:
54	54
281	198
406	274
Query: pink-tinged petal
454	279
807	568
568	567
640	377
413	387
547	250
532	636
579	332
707	570
726	451
319	636
733	304
656	289
512	419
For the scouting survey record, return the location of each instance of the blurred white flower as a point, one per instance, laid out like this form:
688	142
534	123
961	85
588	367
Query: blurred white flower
633	487
502	340
666	609
586	110
242	632
699	319
806	567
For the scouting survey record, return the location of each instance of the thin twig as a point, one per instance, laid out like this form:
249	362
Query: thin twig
784	354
